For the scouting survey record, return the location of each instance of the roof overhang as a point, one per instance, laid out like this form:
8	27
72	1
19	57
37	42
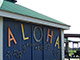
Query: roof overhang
71	35
32	20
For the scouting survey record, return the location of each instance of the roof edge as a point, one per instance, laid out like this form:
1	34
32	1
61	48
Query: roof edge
33	20
37	18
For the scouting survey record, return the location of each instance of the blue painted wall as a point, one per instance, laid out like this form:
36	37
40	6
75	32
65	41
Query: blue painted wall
30	49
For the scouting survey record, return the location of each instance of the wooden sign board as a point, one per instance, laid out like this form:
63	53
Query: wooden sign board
29	41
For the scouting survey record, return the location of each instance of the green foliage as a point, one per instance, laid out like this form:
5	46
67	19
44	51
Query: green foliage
71	52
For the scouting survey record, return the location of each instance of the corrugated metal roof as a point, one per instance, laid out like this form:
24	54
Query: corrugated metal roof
15	8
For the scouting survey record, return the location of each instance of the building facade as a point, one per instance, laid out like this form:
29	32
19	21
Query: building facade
26	34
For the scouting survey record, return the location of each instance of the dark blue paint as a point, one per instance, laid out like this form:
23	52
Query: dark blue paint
15	28
27	48
37	53
48	54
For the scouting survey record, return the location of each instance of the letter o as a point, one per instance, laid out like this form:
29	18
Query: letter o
37	40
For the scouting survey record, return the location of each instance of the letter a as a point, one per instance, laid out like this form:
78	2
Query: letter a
9	37
48	35
24	38
57	42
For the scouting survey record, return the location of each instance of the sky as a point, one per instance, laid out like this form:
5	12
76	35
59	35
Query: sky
66	11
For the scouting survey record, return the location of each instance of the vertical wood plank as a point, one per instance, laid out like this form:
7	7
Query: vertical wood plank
1	38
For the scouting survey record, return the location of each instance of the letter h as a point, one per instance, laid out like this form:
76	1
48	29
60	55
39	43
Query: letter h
48	35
